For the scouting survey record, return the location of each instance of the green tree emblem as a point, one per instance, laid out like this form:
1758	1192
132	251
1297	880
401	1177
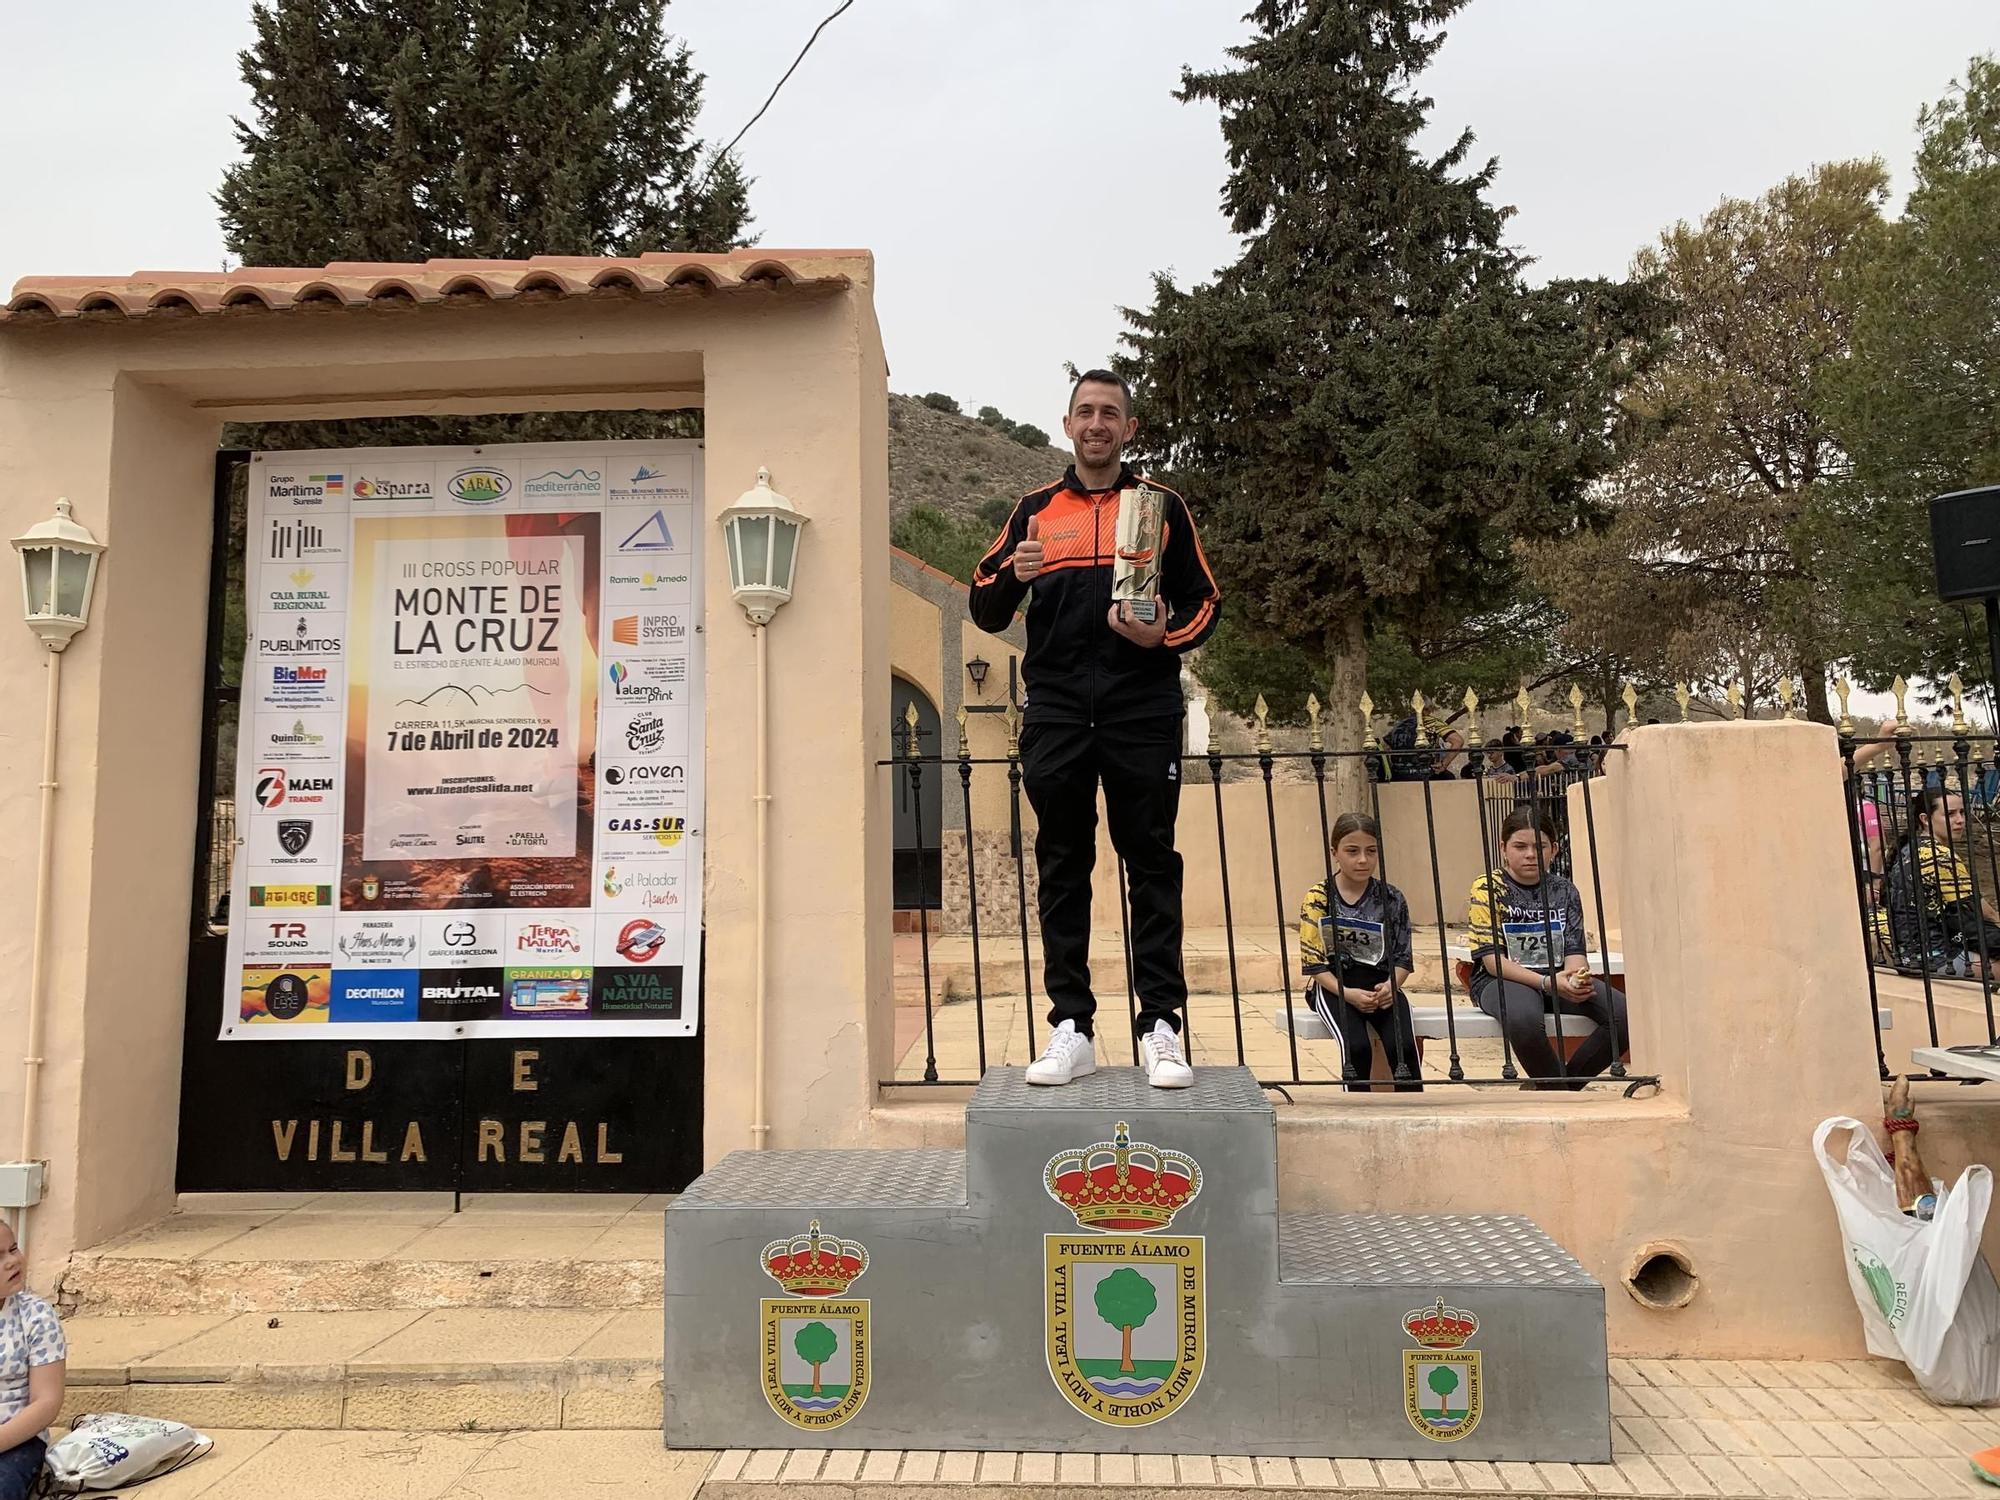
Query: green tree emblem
1125	1299
1443	1380
815	1343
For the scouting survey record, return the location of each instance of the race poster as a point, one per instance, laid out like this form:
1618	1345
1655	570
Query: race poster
469	770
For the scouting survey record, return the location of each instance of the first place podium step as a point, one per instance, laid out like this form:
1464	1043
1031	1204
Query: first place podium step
1104	1269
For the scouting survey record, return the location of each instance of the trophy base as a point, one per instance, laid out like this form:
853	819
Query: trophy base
1142	610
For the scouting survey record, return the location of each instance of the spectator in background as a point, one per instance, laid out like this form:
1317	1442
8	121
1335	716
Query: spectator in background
1517	758
1935	920
1491	764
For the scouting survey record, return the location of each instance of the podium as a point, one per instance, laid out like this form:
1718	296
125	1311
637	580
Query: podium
1105	1269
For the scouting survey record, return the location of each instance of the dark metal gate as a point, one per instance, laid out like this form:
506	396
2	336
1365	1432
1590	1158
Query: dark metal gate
526	1115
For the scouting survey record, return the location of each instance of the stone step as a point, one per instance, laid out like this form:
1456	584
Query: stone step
454	1369
222	1253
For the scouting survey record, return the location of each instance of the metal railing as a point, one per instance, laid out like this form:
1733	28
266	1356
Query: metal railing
1923	830
994	954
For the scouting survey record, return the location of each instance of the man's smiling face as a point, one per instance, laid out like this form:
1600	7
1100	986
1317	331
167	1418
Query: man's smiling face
1098	425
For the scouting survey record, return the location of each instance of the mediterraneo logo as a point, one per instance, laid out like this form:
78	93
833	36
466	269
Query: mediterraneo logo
478	486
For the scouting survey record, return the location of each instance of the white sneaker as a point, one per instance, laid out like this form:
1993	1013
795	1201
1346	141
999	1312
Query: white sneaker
1068	1055
1165	1068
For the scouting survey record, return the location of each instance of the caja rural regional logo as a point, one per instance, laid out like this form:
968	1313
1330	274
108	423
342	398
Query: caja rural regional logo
814	1347
1127	1322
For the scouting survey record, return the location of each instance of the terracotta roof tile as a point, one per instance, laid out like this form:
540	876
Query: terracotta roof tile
350	284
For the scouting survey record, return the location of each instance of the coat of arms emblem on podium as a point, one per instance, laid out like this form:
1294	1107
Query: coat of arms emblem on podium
814	1342
1126	1317
1441	1384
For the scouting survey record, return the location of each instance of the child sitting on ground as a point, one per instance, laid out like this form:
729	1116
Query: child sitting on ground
32	1351
1354	948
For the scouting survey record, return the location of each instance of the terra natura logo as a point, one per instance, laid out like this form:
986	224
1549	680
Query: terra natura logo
814	1344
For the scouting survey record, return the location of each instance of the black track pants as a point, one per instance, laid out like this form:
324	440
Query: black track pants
1351	1027
1138	764
1522	1013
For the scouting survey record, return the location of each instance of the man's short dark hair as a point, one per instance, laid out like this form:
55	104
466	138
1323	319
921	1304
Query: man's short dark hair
1101	377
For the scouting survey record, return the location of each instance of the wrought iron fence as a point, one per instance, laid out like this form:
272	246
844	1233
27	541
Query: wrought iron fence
1923	828
989	914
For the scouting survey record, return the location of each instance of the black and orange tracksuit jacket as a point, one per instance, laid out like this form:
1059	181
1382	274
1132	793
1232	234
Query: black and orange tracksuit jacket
1078	669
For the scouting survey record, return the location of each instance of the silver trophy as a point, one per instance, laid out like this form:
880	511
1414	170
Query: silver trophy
1135	572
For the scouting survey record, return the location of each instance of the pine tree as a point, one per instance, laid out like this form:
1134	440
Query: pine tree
405	129
1369	407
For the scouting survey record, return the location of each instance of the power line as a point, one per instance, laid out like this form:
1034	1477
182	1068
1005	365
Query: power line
781	83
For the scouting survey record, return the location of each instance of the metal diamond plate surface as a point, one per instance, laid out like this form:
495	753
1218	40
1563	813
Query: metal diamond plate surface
830	1179
1465	1249
1113	1089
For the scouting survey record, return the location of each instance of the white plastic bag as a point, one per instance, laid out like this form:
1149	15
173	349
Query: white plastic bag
108	1450
1926	1294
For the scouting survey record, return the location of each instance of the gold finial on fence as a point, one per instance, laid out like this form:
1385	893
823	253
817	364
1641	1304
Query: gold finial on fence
1958	725
1631	705
1734	697
1785	696
1576	708
1840	690
911	748
1013	719
1899	689
1683	697
1367	707
1417	708
1523	704
964	739
1263	729
1315	739
1471	702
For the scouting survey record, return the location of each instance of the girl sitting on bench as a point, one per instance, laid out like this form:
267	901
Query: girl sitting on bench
1354	948
1955	934
1528	956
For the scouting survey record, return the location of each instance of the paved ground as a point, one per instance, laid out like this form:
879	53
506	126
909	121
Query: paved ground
1856	1430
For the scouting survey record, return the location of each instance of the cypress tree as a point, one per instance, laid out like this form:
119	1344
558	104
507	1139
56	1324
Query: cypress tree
1369	407
405	129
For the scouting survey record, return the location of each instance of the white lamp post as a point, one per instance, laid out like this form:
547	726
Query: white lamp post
762	529
58	573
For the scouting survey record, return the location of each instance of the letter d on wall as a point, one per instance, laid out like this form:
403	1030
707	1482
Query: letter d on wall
360	1070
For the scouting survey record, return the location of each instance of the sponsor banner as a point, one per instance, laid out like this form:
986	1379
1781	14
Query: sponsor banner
562	484
463	939
391	488
469	780
377	942
654	886
655	479
638	785
479	484
644	731
315	488
290	685
369	995
287	849
296	588
279	789
650	632
287	937
298	739
639	941
307	538
646	679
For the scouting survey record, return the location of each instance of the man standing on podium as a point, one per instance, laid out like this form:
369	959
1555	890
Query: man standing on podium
1103	706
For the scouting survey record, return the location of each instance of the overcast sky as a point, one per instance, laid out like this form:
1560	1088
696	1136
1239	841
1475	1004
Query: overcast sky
1020	168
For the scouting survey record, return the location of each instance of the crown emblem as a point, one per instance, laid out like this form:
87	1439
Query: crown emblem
300	577
1440	1327
1122	1184
813	1264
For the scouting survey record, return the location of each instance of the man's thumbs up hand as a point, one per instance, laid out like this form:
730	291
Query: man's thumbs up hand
1028	556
